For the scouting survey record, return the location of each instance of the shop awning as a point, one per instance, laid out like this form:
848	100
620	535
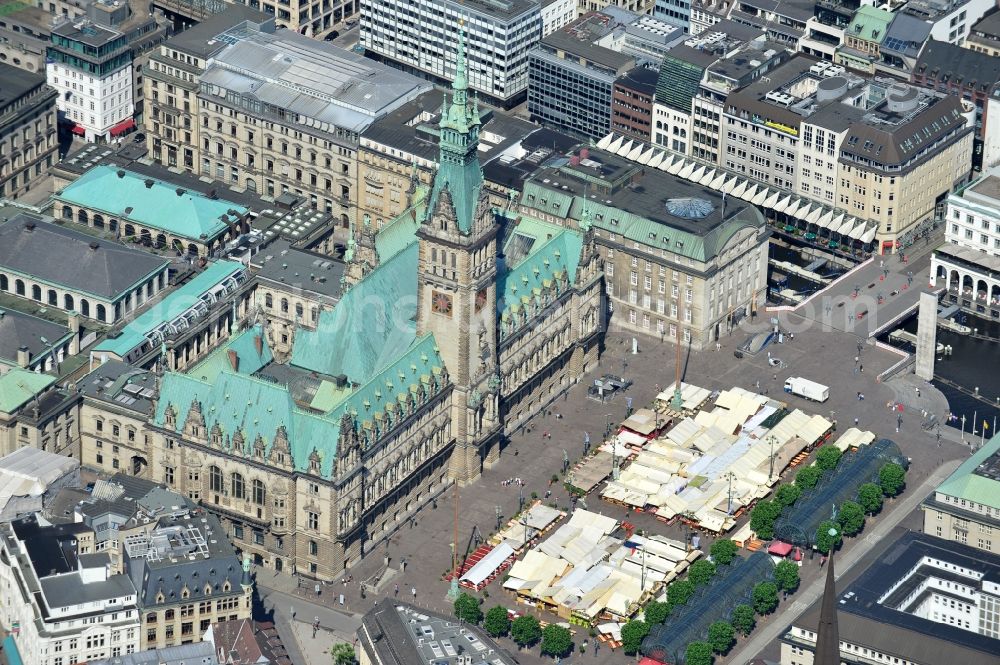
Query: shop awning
122	127
78	130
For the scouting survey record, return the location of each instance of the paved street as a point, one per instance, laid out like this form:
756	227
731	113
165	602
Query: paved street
826	355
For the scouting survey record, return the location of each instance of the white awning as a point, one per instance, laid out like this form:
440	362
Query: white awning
488	565
687	170
802	209
750	193
718	180
606	141
782	205
869	235
740	188
656	159
614	145
667	162
859	227
646	156
825	220
708	177
772	199
633	155
838	224
761	196
813	217
677	166
696	175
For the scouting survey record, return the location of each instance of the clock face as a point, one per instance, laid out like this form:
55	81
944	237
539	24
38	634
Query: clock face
441	303
480	299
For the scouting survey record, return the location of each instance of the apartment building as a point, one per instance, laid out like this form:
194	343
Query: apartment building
91	63
422	37
950	20
782	22
924	601
172	79
573	70
878	149
63	598
28	139
965	508
706	13
262	127
679	261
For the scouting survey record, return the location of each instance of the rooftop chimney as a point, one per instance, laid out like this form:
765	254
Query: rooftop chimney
94	245
120	173
258	342
23	357
29	227
149	183
234	360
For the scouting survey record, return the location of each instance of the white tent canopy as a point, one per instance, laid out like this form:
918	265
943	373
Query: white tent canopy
488	565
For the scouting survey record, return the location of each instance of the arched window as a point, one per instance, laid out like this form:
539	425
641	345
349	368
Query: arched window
53	297
268	300
82	216
237	489
102	312
259	492
68	303
36	292
67	212
84	307
18	287
3	283
215	479
192	249
284	305
299	311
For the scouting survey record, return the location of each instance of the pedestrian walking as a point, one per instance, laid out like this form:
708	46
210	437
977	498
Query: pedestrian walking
861	368
856	359
918	391
395	590
291	610
855	422
413	592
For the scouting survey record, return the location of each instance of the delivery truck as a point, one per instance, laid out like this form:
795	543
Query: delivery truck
817	392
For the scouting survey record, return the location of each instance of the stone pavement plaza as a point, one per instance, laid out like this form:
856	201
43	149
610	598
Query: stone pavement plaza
821	353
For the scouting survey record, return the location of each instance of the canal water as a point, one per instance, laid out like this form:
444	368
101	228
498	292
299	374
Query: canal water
972	364
778	280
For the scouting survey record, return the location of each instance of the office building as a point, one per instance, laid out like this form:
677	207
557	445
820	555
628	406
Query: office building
972	77
881	150
97	96
62	597
632	103
782	22
679	261
556	14
395	633
422	37
924	601
264	128
984	36
28	140
187	577
675	12
35	412
706	13
965	508
73	272
950	20
573	70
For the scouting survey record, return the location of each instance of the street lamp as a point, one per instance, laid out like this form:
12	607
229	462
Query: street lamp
498	517
771	440
730	476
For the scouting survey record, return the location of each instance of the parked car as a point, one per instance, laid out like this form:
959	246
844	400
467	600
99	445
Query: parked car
330	36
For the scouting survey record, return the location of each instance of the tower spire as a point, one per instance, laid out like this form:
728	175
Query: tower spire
828	633
461	81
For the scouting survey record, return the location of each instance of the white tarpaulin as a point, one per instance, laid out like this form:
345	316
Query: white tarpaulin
488	565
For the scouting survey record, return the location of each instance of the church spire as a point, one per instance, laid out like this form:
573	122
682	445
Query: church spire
828	634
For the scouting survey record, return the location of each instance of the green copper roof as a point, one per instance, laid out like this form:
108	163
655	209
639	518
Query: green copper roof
371	325
965	483
554	255
869	23
401	232
257	407
169	308
19	386
328	396
248	360
189	215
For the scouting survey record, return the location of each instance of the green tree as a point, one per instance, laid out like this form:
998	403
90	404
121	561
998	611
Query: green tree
870	498
556	640
762	519
497	621
679	592
525	630
744	619
467	609
343	654
786	575
656	612
698	653
824	541
892	479
788	494
808	477
723	551
851	517
632	635
827	457
765	597
721	636
701	572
